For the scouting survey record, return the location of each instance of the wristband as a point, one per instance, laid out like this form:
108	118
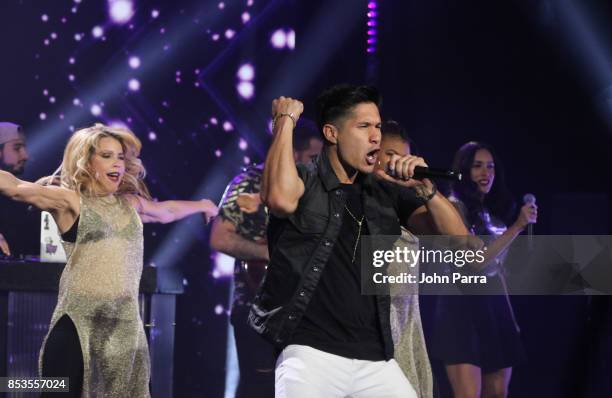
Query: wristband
279	115
426	198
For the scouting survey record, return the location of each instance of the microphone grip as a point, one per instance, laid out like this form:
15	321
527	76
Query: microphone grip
428	172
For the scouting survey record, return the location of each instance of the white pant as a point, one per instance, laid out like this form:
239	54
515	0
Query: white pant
305	372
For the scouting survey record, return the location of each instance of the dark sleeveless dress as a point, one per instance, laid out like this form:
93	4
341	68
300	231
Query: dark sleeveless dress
478	329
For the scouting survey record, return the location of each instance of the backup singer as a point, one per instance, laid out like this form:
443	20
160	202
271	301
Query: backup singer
477	336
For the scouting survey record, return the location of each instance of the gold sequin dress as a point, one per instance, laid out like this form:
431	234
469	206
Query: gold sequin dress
406	326
99	292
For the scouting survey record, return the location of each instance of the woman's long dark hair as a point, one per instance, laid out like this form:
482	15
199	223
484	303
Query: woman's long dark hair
498	201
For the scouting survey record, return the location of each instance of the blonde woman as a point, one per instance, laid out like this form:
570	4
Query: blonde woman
96	336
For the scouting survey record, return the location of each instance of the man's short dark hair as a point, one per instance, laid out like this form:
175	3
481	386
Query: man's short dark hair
305	130
391	128
337	102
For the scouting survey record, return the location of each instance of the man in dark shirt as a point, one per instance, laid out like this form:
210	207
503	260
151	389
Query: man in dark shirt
334	341
19	226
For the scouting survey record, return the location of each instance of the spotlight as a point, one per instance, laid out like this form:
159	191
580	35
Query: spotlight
246	72
291	39
134	85
120	11
278	39
227	126
246	90
134	62
95	110
97	31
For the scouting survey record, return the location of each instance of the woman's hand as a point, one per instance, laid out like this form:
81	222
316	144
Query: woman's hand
528	215
209	210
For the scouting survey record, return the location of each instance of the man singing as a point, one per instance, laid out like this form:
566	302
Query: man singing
334	341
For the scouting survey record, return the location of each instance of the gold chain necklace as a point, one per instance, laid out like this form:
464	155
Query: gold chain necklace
359	223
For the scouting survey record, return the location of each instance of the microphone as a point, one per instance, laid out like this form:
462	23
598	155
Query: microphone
529	199
428	172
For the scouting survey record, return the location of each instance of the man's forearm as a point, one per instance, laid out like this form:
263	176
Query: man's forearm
280	177
241	248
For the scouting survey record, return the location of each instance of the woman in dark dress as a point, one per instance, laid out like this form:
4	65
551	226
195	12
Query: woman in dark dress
476	336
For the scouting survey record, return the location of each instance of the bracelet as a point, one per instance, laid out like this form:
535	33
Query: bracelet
279	115
426	198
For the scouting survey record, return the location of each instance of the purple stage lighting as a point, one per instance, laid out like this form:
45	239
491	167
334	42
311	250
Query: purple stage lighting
246	72
134	85
246	90
278	39
227	126
97	32
372	23
291	39
120	11
243	144
96	110
134	62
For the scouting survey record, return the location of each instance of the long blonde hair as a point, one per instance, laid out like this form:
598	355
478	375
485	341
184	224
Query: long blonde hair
74	171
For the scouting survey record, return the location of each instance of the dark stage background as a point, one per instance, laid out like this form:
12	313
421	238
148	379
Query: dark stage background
194	80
